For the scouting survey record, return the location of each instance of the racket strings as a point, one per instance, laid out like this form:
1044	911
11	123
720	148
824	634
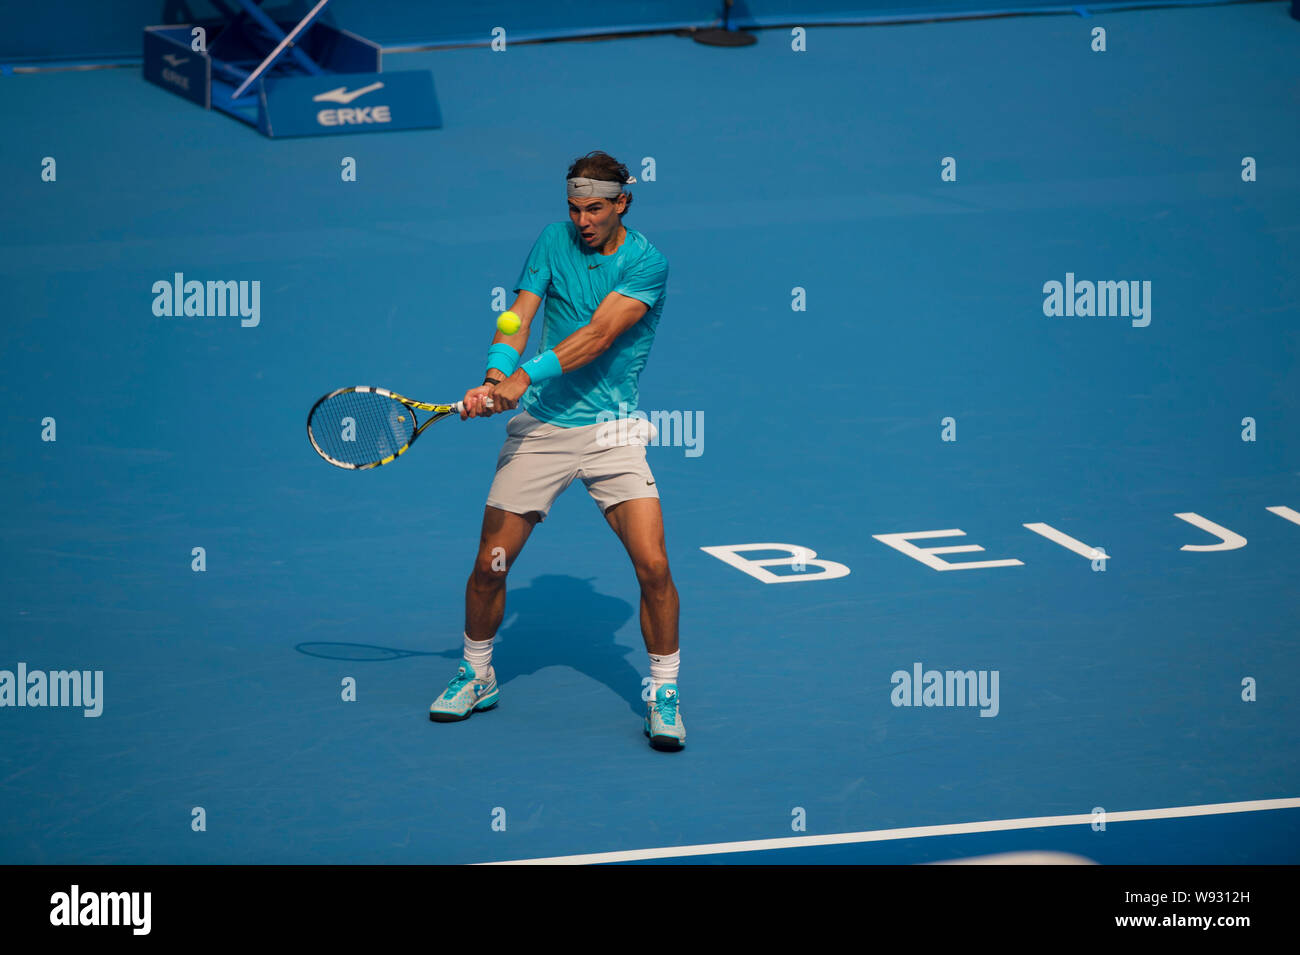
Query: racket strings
360	427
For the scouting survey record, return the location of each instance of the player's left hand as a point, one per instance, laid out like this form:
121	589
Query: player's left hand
506	395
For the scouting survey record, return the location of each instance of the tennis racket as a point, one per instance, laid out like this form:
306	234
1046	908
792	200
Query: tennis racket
363	427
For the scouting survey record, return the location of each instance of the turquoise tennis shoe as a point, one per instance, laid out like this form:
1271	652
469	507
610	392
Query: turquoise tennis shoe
464	694
663	720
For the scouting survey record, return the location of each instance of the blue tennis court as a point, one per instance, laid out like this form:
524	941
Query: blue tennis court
859	340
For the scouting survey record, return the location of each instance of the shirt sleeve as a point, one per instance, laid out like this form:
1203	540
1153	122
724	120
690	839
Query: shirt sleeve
536	273
646	280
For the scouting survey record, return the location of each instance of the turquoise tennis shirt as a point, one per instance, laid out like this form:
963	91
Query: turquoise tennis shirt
574	279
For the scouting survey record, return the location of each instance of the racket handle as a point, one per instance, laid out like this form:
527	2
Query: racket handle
460	405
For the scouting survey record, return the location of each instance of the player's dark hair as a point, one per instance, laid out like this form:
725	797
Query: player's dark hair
601	165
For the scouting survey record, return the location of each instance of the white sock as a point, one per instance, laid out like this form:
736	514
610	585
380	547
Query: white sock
479	655
663	669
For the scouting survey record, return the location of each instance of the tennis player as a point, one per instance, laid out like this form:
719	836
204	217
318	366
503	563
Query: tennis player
604	287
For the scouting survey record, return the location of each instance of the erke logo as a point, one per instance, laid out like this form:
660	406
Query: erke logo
342	96
349	116
170	75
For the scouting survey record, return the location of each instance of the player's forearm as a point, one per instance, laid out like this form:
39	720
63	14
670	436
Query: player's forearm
518	341
525	306
582	347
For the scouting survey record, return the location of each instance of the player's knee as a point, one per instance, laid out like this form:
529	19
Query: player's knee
490	568
653	574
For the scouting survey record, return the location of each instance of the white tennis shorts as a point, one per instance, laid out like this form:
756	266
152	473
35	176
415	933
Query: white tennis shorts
539	460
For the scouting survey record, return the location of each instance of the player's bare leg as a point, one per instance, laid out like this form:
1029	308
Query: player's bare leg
474	687
501	539
639	524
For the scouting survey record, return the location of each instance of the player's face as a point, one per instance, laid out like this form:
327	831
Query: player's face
597	219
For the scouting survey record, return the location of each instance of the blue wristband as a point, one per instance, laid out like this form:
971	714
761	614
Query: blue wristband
503	358
544	366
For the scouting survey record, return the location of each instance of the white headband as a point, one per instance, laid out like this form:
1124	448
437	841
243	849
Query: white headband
595	188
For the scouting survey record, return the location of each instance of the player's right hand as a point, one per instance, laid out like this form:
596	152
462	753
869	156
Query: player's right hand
474	402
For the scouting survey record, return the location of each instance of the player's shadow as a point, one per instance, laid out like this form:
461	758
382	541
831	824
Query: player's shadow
555	620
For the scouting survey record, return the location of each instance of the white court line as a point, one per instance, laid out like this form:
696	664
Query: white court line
915	832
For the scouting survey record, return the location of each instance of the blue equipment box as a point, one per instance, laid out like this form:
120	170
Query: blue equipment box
287	79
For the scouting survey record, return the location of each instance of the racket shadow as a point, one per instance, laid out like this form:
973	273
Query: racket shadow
359	651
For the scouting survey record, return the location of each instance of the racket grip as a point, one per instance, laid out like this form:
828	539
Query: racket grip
460	405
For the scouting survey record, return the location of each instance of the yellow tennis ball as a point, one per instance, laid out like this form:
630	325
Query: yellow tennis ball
508	323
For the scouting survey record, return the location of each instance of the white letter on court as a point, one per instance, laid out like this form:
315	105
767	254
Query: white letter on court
730	554
902	543
1228	540
1065	540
